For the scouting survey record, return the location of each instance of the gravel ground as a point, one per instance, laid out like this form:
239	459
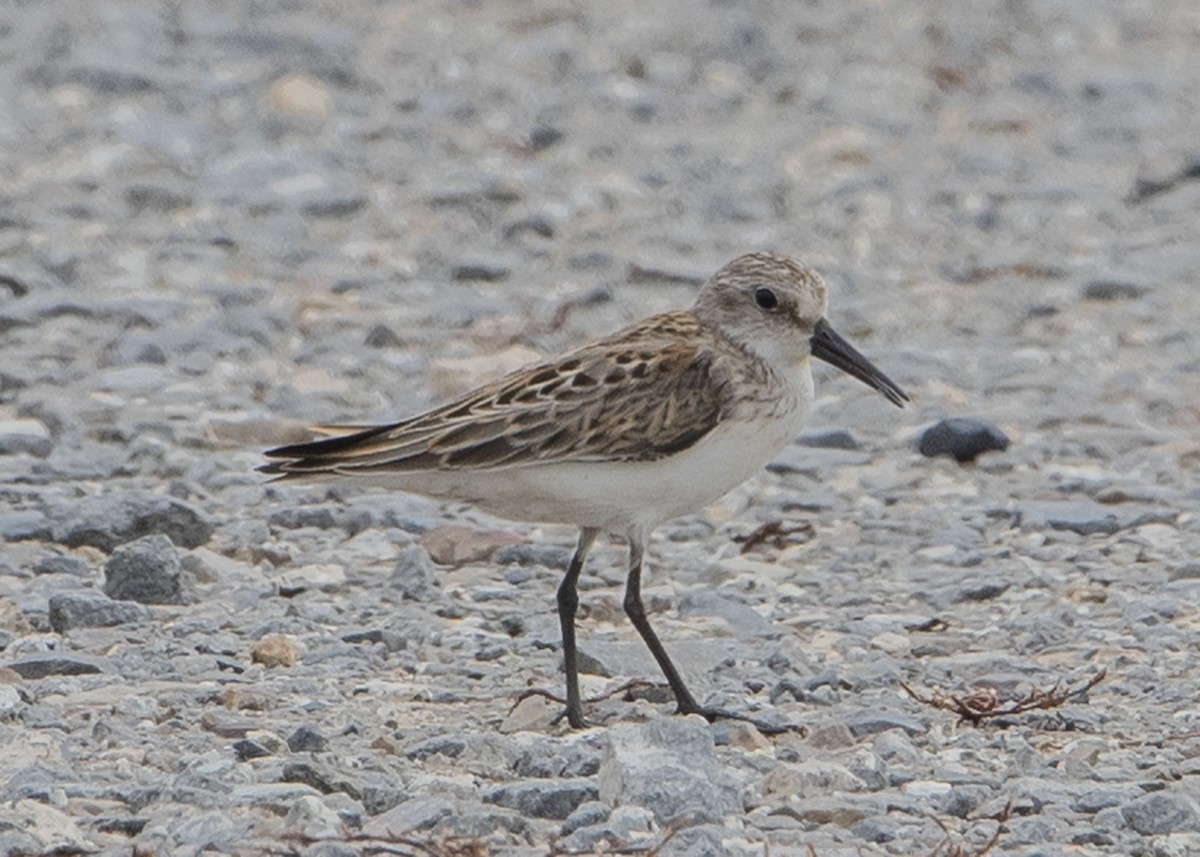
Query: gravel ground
223	221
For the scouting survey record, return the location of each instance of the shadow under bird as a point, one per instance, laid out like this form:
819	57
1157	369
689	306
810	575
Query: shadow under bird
621	434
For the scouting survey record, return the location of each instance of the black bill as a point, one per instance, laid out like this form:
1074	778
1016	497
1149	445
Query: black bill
828	346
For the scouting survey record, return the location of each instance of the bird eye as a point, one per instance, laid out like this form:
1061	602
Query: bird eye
766	298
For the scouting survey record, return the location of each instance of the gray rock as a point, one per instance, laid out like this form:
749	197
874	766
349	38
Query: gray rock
309	818
829	439
1085	517
1112	290
450	746
112	520
962	438
415	576
549	556
61	564
352	521
70	610
24	526
869	722
487	271
307	740
40	666
588	813
744	619
1162	812
668	766
10	701
382	336
543	798
393	641
148	571
246	749
25	436
704	840
415	814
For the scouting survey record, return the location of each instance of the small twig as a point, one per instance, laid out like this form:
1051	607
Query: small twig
608	694
958	849
776	534
985	703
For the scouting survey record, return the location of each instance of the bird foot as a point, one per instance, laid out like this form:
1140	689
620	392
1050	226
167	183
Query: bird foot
714	714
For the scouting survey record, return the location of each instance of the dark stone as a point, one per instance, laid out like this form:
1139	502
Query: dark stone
984	591
1112	290
307	740
382	336
450	746
40	666
108	521
392	640
489	272
245	750
544	137
832	439
70	610
61	564
147	570
543	798
962	438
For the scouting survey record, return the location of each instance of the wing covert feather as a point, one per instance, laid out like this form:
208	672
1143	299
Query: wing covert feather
647	392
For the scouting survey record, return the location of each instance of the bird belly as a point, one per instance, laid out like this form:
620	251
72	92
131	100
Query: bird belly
618	495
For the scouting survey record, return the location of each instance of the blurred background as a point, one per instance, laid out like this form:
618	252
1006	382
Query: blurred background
993	189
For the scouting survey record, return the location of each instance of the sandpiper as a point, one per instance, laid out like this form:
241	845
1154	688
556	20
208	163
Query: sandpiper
621	434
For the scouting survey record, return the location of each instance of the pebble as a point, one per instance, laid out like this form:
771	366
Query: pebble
455	545
148	571
667	766
71	610
276	650
555	799
962	438
1162	812
25	436
113	520
49	665
306	739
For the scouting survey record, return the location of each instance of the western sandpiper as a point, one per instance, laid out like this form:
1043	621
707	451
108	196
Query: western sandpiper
620	434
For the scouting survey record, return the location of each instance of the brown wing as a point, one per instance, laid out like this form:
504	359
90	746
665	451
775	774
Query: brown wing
649	391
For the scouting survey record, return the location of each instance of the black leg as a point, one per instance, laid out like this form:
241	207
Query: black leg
568	602
636	612
684	701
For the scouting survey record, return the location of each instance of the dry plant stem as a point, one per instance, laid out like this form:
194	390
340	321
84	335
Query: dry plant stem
985	703
632	684
776	533
957	849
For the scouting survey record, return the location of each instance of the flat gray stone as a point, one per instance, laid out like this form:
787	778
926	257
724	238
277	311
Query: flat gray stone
667	766
148	571
543	798
69	610
114	519
41	666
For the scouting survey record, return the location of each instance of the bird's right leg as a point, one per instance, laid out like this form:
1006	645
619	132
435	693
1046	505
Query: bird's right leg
568	602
